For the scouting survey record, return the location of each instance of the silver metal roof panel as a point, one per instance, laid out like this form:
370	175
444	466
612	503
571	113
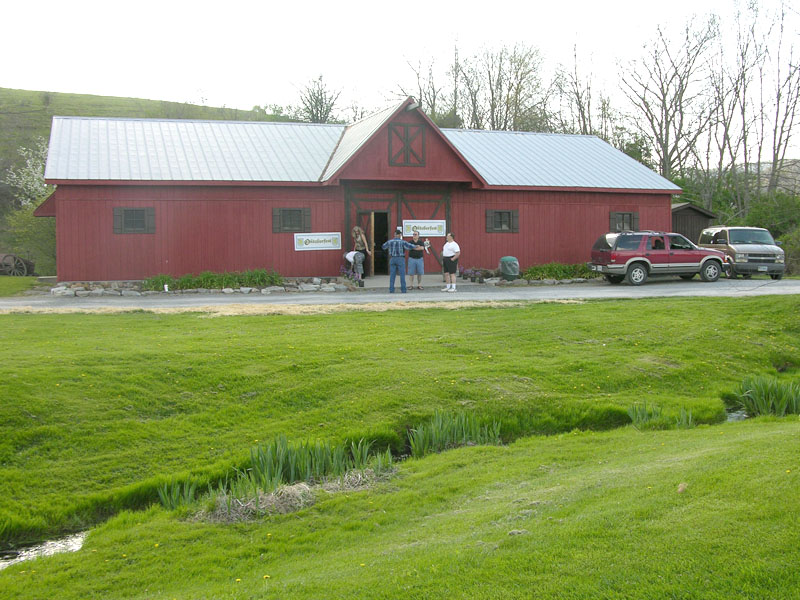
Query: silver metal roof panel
105	149
513	158
354	137
181	150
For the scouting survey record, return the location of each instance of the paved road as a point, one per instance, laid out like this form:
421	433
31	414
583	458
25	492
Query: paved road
656	288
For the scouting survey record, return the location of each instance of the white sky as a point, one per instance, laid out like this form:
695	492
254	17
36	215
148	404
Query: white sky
240	53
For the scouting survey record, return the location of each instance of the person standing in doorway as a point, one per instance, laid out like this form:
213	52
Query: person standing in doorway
397	259
360	242
450	255
416	262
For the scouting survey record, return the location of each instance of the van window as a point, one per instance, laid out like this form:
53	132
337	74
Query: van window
751	236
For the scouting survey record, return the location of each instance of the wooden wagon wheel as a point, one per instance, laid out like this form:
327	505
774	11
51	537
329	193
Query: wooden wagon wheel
14	266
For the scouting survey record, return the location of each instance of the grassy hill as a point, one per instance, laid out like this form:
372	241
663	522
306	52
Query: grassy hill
26	115
99	408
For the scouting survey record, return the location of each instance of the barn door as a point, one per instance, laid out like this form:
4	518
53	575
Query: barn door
366	222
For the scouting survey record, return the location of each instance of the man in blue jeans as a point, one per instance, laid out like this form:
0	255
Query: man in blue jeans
397	258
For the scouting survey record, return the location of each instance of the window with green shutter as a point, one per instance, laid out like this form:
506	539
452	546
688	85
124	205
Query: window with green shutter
502	221
623	221
134	220
291	220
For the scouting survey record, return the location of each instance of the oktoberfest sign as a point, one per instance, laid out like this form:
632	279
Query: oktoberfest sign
318	241
425	228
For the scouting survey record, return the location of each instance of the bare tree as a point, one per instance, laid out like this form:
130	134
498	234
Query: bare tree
668	92
317	102
575	99
784	103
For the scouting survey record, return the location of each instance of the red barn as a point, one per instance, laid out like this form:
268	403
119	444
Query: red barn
141	197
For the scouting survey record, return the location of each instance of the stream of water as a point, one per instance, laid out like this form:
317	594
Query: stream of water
72	543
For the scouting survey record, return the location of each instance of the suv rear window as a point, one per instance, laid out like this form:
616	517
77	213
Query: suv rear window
605	242
628	242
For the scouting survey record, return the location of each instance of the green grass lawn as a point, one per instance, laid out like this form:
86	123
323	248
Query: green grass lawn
577	515
99	409
12	286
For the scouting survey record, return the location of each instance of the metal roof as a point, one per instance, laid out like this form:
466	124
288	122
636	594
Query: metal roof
514	158
105	149
354	138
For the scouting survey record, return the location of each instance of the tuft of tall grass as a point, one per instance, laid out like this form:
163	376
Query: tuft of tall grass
175	494
644	416
449	430
684	420
759	395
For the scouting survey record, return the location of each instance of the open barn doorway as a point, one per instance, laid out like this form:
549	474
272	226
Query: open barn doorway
376	226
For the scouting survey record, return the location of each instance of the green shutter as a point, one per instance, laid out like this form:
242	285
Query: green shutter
118	219
636	221
307	220
514	221
276	220
489	221
150	219
612	221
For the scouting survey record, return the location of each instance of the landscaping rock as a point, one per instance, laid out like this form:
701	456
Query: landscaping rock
227	290
131	293
245	290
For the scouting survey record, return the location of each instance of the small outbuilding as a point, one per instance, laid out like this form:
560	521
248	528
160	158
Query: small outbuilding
689	219
141	197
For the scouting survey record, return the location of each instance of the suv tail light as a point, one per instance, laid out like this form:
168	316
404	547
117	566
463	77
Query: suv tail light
613	257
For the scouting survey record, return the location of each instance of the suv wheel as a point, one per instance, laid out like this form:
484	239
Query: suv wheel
614	278
637	274
710	271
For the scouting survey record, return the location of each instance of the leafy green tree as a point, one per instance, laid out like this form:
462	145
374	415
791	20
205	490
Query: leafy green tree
30	237
778	212
28	180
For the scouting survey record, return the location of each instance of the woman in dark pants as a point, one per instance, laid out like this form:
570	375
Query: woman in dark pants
450	254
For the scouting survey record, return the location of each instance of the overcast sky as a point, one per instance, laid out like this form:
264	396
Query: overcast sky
241	53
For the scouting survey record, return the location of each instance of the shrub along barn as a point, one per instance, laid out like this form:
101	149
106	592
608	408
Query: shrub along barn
141	197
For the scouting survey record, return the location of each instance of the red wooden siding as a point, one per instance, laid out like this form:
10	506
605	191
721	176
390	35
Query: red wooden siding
441	161
553	226
197	228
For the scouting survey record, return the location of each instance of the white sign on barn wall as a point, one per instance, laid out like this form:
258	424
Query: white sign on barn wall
425	228
318	241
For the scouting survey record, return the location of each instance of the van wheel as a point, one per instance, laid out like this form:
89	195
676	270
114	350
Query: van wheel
777	276
710	271
637	274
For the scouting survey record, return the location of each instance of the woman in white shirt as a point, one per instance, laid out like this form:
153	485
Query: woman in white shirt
450	253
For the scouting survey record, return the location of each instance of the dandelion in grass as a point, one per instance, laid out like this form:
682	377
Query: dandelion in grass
266	576
155	545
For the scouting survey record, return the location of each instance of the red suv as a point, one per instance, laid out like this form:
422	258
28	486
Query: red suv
636	255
